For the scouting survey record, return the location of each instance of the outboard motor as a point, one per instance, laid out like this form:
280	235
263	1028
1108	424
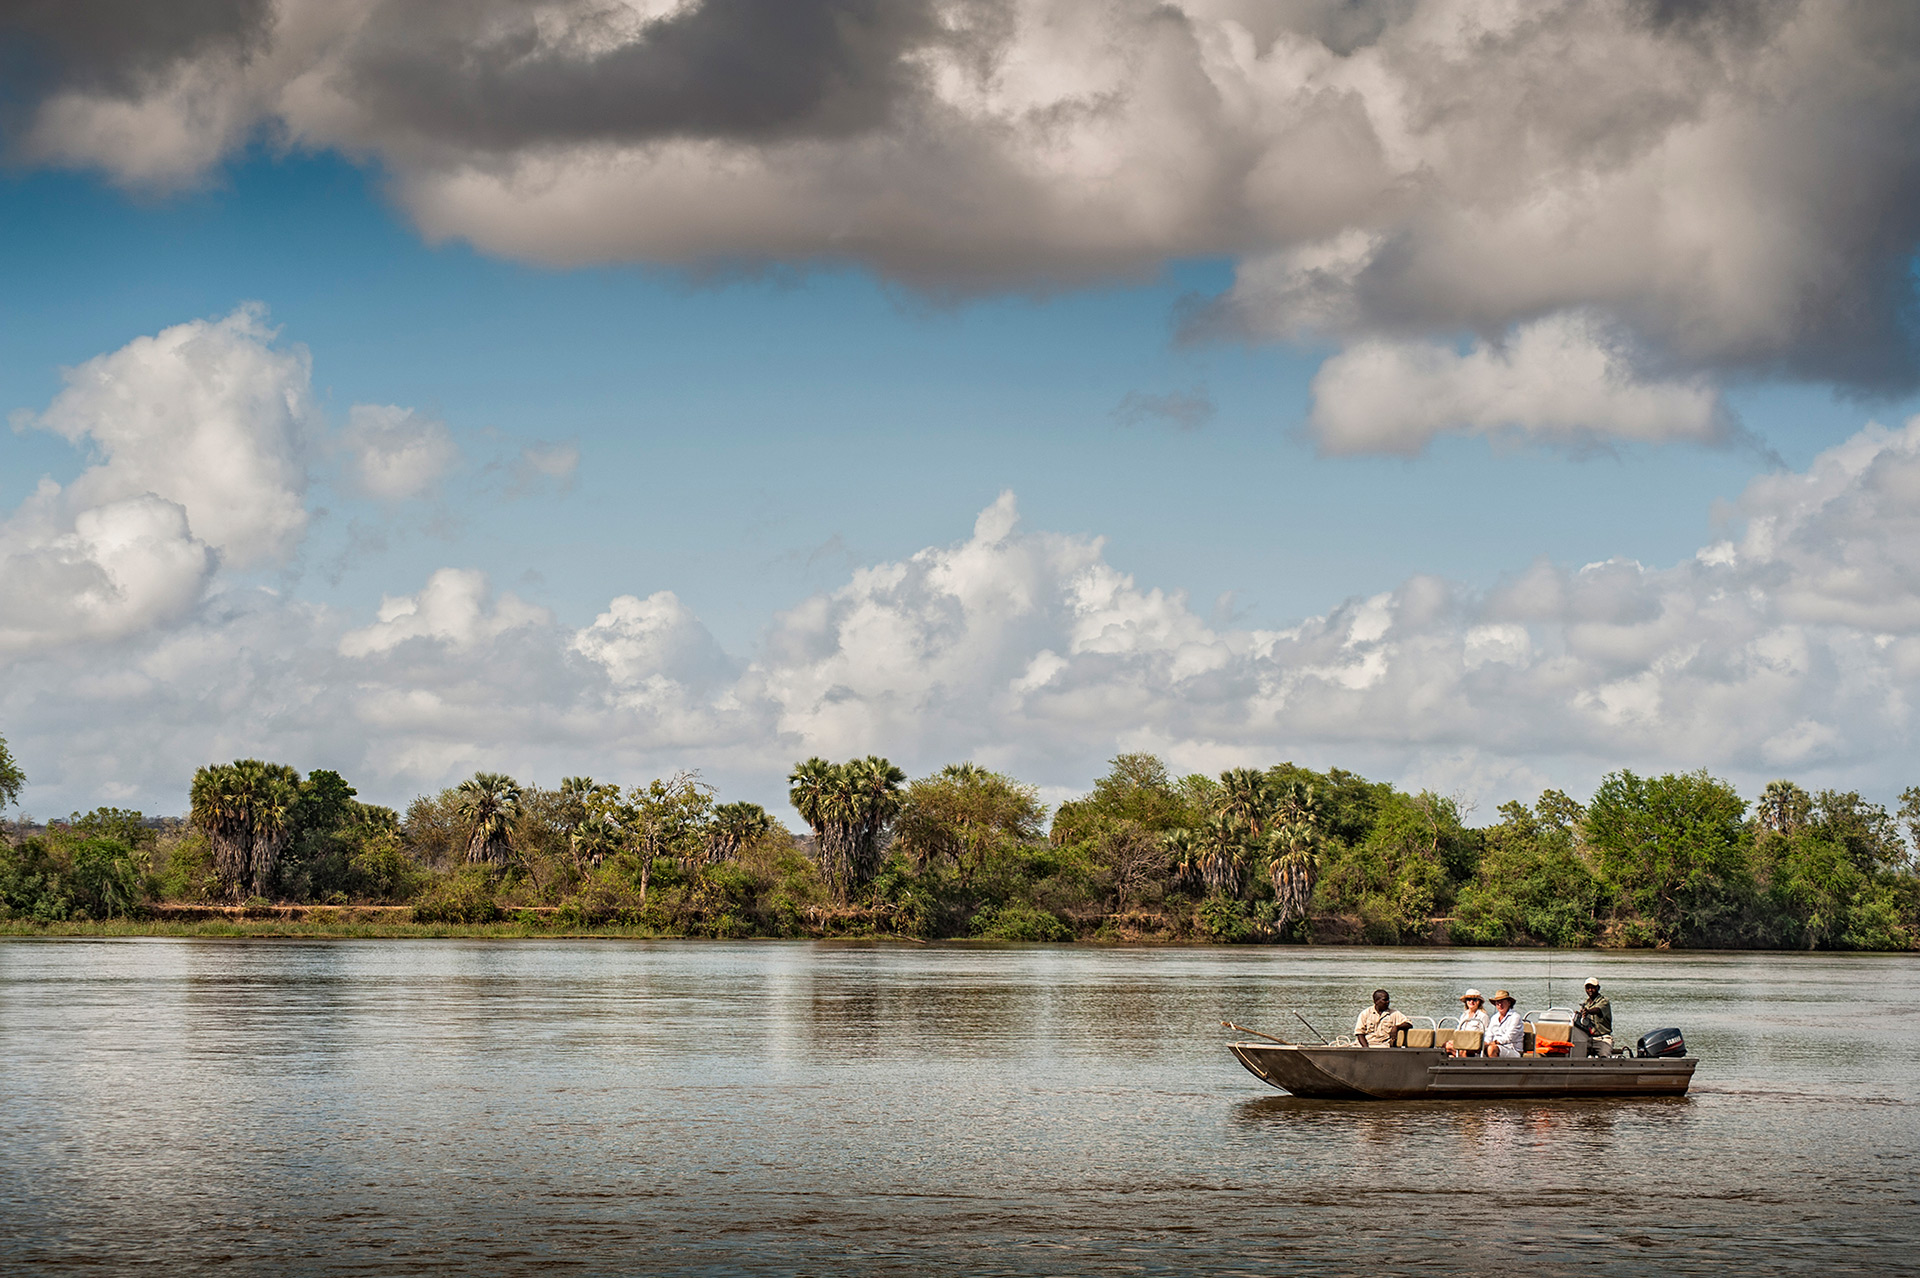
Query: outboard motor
1661	1042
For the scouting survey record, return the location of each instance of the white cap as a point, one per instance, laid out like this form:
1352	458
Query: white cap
1594	981
1469	994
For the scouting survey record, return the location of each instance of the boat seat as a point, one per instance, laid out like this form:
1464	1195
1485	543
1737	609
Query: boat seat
1462	1040
1550	1032
1417	1037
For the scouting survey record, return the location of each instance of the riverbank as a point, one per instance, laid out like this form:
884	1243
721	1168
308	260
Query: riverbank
357	922
398	922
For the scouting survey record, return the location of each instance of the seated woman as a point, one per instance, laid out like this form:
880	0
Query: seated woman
1473	1017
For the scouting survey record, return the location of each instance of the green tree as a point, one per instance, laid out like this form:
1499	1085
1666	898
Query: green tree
848	806
1676	848
1533	883
488	802
1293	849
102	878
12	779
664	819
1396	878
962	814
246	809
733	827
1137	788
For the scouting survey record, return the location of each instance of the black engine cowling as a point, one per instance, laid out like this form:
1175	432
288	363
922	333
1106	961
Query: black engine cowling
1661	1042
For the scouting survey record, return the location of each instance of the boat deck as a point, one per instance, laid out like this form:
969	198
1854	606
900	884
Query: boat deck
1405	1073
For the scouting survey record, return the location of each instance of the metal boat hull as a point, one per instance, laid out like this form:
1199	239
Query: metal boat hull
1410	1073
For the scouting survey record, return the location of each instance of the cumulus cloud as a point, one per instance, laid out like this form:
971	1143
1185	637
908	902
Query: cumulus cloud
395	453
649	642
198	435
1791	647
210	415
453	610
1554	380
1728	184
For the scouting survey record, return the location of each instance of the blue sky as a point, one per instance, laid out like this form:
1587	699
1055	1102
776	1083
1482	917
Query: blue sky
747	438
758	426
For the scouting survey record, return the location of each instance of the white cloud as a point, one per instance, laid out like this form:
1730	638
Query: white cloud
395	453
453	609
647	641
128	655
1555	380
209	415
198	435
108	571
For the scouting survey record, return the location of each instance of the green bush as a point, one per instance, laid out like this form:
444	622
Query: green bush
186	871
102	878
381	869
1018	921
1225	921
465	897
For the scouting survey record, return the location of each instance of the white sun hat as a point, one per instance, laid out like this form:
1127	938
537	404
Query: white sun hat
1593	981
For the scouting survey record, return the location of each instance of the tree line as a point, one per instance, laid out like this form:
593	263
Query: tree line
1280	854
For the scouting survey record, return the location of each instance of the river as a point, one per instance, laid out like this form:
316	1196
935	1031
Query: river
493	1107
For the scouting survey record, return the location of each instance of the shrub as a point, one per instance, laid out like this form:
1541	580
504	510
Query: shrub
466	897
1223	920
186	873
1018	921
382	869
102	878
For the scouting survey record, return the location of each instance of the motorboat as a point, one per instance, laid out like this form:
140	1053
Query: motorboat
1560	1060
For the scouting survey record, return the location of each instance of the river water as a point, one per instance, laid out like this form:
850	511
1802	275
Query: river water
613	1107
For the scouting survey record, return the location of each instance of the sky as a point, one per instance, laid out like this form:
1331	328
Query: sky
1478	395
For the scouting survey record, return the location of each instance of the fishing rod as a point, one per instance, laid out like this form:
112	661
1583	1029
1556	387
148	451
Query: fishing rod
1244	1030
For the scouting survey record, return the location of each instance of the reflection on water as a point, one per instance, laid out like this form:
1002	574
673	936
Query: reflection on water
395	1107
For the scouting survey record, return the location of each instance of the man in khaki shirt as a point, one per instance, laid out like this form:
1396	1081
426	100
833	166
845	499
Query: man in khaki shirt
1377	1024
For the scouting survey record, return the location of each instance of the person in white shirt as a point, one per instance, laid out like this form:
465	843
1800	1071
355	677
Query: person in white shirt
1506	1035
1473	1016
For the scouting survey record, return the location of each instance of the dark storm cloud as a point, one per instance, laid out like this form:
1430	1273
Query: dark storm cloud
488	77
1720	187
115	45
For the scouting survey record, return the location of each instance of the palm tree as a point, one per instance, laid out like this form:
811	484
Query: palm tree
245	808
488	804
847	806
1246	795
275	789
1293	867
874	790
1295	801
734	826
1221	842
1783	808
592	839
218	810
1184	850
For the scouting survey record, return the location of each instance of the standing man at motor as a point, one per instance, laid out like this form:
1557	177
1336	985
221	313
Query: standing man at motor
1377	1025
1596	1018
